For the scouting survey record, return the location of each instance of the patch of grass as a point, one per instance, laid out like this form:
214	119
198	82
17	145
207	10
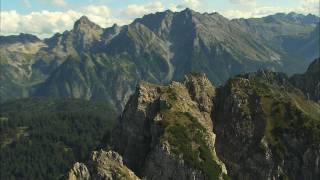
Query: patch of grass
187	137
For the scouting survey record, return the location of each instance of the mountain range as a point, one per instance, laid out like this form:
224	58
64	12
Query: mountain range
94	63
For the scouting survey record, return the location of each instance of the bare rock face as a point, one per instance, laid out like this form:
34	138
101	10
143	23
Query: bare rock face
165	132
309	82
79	172
103	165
266	129
201	91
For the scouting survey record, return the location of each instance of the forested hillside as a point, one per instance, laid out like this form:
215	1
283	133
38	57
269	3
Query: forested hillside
41	138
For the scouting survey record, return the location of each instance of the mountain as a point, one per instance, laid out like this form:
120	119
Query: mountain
266	129
256	126
309	82
91	62
41	138
165	132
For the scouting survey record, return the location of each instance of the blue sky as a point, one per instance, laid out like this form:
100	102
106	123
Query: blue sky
46	17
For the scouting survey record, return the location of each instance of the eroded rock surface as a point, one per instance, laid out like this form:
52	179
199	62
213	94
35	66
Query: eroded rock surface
165	132
103	165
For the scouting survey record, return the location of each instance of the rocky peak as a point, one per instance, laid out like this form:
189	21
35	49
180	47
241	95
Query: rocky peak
188	11
148	135
84	23
84	33
201	90
159	22
115	27
85	26
102	165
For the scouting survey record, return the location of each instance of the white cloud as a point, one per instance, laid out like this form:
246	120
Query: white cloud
46	23
97	10
61	3
193	4
310	6
135	10
252	8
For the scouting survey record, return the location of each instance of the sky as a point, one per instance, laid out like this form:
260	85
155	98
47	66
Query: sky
46	17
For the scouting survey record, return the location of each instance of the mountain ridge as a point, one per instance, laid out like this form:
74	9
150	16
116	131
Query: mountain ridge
158	48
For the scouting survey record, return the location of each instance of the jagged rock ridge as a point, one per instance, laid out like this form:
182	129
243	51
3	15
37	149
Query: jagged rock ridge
256	126
165	132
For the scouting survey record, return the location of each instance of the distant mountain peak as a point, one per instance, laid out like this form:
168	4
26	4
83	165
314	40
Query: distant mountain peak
21	38
84	22
296	17
84	19
188	11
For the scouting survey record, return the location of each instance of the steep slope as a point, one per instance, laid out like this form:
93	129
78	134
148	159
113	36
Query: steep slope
309	82
204	42
165	132
16	64
88	77
266	129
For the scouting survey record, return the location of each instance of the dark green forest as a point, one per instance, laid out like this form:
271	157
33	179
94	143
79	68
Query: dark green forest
41	138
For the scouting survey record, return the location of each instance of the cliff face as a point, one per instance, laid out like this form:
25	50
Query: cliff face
266	129
309	82
166	133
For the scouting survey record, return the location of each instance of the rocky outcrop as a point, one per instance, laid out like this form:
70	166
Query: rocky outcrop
309	82
79	172
106	165
165	132
266	129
